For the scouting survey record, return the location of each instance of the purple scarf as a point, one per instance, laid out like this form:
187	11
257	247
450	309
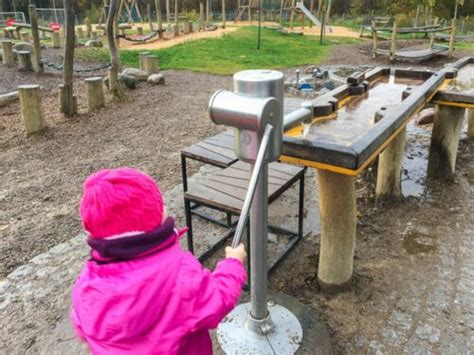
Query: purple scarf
126	248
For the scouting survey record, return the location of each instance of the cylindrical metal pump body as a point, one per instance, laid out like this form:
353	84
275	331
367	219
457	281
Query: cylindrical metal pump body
260	84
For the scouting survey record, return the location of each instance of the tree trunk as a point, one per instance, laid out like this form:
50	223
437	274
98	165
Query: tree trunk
223	14
114	84
201	15
69	109
168	13
159	19
38	65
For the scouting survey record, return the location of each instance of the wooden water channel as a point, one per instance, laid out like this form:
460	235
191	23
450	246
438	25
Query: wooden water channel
366	119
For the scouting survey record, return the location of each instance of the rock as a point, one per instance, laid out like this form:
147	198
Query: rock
157	79
138	74
425	117
94	43
129	81
329	84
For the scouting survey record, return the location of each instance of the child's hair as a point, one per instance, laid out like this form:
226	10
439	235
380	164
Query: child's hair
118	202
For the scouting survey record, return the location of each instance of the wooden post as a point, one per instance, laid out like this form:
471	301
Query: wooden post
223	14
140	59
337	201
389	169
80	32
201	16
207	12
31	108
25	36
292	17
7	46
159	20
470	123
417	17
88	27
176	24
95	93
140	31
150	20
24	61
114	83
432	36
374	38
282	4
452	37
393	43
37	66
56	40
151	64
447	128
69	109
168	12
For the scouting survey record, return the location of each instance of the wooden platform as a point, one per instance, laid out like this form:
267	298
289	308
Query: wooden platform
226	189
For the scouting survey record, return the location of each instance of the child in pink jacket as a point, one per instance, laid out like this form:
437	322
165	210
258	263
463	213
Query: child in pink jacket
140	293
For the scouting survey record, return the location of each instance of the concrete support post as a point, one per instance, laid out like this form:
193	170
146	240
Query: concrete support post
447	128
140	31
7	46
95	93
31	109
470	121
56	40
151	64
337	201
141	55
389	169
24	61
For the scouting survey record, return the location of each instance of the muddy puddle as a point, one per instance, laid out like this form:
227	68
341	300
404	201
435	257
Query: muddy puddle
419	243
357	115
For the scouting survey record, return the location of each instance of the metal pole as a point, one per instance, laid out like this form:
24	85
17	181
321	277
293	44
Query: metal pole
259	166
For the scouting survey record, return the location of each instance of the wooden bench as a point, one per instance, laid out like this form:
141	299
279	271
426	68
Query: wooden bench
225	191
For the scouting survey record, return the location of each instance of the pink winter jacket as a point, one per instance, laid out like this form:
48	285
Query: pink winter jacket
161	303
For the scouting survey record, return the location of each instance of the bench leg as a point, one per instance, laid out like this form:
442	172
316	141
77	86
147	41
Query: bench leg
301	207
187	211
447	128
337	202
184	173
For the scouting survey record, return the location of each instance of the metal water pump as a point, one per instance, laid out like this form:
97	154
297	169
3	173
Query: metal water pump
255	110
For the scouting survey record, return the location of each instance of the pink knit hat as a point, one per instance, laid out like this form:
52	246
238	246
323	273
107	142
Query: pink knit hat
119	202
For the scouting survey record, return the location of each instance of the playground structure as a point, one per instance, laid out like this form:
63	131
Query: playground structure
339	134
416	54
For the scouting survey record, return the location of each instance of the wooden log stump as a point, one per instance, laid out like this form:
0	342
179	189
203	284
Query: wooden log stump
25	36
389	168
186	27
31	108
337	201
6	34
140	59
176	30
140	31
7	46
190	24
80	32
447	128
151	64
470	122
6	99
24	61
95	93
56	40
94	35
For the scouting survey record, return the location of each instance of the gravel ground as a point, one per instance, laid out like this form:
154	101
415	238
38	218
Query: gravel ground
413	279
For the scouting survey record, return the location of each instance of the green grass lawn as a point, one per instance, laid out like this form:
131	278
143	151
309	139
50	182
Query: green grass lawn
233	52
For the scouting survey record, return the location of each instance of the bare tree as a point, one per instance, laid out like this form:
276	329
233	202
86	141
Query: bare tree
114	83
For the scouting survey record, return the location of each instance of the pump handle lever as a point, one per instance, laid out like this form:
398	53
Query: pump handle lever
259	165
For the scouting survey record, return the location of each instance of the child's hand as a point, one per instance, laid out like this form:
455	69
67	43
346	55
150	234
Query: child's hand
236	253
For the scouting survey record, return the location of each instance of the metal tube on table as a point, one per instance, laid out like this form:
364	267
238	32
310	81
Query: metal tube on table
257	170
295	118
